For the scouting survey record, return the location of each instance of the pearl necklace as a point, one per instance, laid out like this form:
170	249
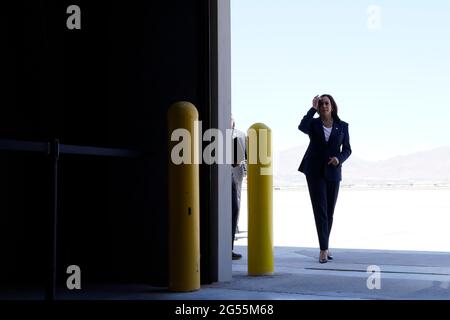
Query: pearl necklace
328	124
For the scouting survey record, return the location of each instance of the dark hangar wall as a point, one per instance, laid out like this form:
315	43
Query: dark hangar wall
108	84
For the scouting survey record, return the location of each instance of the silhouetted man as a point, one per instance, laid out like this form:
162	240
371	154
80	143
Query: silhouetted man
238	172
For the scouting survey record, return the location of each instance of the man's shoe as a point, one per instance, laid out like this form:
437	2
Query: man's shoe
236	256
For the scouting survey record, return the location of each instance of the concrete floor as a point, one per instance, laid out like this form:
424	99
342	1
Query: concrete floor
298	276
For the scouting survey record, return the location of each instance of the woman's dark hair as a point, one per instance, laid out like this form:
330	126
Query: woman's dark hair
334	113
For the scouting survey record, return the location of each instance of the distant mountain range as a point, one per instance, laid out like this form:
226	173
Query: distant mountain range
431	166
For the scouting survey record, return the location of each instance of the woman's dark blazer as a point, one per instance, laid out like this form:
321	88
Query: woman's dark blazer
315	161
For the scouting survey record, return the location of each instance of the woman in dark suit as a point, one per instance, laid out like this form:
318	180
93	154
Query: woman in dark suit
328	148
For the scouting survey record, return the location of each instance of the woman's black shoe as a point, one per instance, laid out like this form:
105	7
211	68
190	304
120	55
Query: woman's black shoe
323	260
330	257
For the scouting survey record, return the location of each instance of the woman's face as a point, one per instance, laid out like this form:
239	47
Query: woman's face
325	108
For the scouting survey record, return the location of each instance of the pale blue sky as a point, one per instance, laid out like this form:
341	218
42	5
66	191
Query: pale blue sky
390	83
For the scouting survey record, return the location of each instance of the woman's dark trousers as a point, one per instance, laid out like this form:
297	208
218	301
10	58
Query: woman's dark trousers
323	196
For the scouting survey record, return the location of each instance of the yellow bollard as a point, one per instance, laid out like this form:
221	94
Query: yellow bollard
184	203
260	203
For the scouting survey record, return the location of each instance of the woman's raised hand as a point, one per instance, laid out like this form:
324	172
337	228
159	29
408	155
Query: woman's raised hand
315	102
